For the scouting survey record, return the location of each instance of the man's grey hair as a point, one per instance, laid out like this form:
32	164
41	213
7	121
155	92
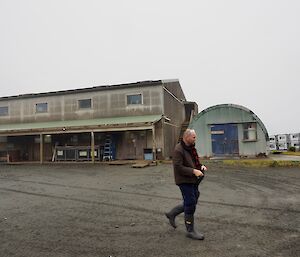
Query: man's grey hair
188	132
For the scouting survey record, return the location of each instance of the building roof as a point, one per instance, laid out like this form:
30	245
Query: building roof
72	126
90	89
235	106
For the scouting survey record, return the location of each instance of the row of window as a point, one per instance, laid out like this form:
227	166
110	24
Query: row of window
82	104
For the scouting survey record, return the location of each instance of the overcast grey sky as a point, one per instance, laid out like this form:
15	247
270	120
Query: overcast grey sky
222	51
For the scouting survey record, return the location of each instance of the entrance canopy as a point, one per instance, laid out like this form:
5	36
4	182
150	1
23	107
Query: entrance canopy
73	126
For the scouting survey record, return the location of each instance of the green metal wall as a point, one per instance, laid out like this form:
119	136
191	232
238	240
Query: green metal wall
224	114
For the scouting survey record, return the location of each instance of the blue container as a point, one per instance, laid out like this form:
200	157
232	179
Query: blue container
148	156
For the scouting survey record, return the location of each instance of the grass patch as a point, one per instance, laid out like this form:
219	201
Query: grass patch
261	163
276	152
291	153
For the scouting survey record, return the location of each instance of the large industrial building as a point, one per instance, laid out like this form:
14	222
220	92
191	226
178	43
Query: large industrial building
140	120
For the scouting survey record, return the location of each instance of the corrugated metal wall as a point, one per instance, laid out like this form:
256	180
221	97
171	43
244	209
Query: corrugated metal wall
228	114
105	103
175	111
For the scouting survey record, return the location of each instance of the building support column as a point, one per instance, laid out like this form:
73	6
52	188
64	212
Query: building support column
93	146
163	149
41	149
153	143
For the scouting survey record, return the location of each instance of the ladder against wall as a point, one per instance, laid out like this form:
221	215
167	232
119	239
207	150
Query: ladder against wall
108	151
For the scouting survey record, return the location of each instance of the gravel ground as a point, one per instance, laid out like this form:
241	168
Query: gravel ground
68	210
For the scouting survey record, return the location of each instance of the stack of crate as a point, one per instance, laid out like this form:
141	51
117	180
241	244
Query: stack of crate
283	142
295	140
273	143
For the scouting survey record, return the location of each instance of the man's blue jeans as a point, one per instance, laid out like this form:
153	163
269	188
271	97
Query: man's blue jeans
190	194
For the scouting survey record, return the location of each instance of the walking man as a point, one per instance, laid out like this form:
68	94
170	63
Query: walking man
188	173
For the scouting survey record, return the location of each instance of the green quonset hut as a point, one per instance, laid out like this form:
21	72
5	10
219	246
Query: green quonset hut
229	130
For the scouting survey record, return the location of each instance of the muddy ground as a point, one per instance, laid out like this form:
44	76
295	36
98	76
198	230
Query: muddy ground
103	210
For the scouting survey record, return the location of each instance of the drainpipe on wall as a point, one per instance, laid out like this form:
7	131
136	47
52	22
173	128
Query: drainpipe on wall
93	146
41	149
153	143
192	116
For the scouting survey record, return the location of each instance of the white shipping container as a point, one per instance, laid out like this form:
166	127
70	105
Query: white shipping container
272	139
272	146
282	138
282	146
295	137
295	144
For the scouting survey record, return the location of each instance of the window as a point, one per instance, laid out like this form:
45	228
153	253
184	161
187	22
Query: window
134	99
47	139
41	107
250	132
85	103
4	111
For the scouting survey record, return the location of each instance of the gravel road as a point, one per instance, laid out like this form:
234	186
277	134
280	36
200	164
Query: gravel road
70	210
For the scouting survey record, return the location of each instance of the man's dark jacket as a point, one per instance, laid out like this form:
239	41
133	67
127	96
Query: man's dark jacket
183	166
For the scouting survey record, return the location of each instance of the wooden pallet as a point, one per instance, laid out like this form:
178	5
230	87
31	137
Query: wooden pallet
140	165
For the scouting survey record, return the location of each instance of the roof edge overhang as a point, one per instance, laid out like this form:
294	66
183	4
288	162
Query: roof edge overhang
146	83
236	106
80	126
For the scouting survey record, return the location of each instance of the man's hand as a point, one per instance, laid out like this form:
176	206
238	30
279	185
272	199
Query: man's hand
198	173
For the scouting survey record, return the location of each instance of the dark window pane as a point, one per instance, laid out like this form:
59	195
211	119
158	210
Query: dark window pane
85	103
42	107
4	111
134	99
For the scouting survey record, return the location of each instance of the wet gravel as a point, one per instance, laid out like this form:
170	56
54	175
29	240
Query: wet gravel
68	210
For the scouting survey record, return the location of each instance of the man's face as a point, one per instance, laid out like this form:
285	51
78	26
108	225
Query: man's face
191	139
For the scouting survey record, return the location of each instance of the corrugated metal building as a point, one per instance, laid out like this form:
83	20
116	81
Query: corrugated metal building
126	121
229	130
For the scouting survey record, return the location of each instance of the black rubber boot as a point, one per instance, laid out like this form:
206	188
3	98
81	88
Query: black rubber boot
171	215
191	232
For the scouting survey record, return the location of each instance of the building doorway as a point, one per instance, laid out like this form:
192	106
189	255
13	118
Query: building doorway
224	139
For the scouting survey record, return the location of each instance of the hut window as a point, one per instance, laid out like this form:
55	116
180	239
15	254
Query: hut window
4	111
134	99
41	107
250	132
85	103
